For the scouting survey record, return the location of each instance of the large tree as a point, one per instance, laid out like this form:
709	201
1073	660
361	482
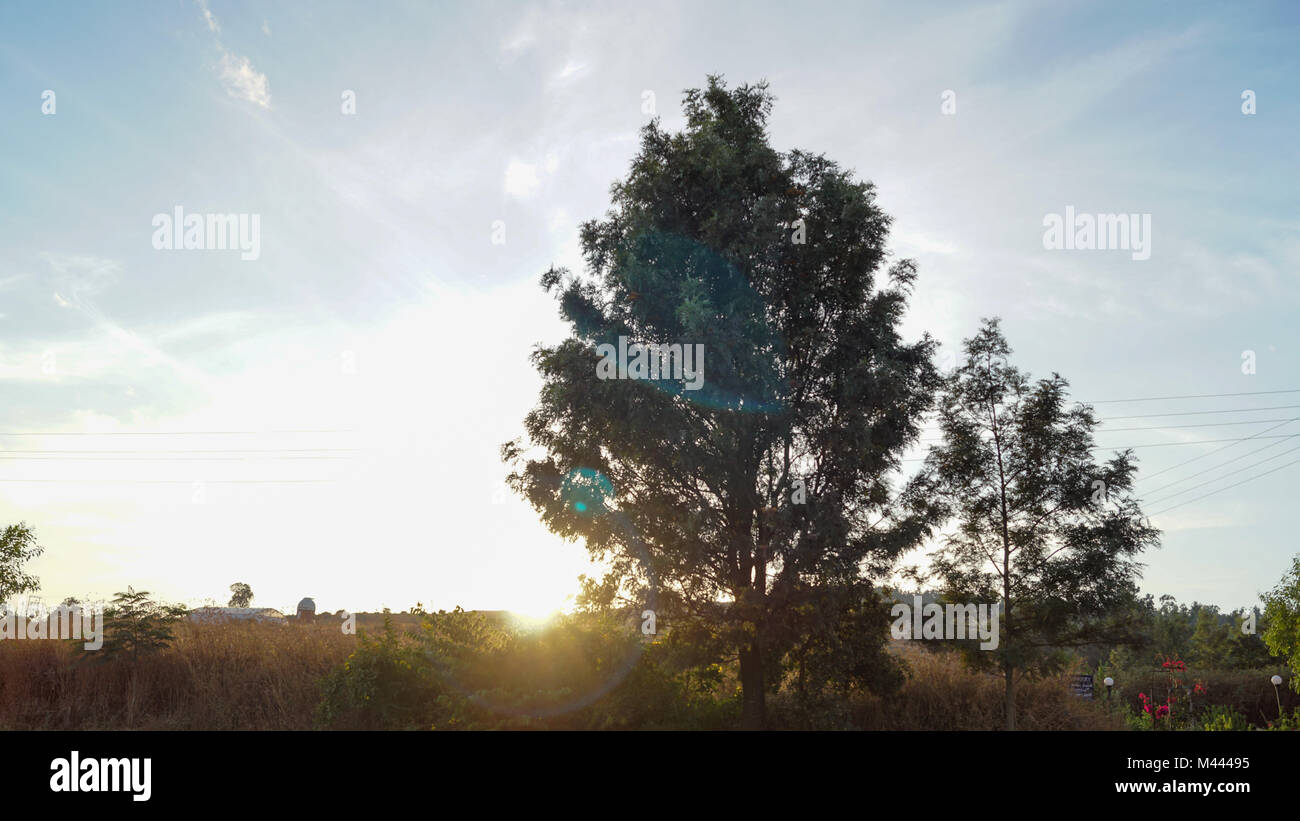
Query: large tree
1038	524
753	496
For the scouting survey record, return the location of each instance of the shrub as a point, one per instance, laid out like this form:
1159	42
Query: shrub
1218	718
135	625
460	671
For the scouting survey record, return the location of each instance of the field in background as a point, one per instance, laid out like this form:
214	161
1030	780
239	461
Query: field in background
238	676
941	694
267	677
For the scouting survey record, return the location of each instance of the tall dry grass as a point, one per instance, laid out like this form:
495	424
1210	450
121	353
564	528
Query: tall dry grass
240	676
941	694
214	677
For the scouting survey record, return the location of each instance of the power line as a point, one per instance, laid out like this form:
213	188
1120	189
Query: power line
1187	396
1174	444
162	459
1198	413
1170	427
935	428
1229	487
1194	442
1224	464
1223	476
1190	396
172	432
199	450
1228	442
1203	425
175	481
1231	442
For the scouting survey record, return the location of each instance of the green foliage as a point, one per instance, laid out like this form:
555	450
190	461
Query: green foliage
1203	635
384	684
135	625
839	658
1246	692
1285	722
17	547
463	671
1138	720
1212	641
241	595
1218	718
807	385
1282	612
1040	526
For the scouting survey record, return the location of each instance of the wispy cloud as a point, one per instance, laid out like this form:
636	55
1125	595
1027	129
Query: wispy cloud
238	75
573	71
8	282
208	17
243	81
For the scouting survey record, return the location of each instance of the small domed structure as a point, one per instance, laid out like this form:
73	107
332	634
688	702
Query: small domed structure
307	610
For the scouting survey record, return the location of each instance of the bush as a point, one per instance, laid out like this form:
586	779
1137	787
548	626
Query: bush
136	625
1218	718
460	671
1245	692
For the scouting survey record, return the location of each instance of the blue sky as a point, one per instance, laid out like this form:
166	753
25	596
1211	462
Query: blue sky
380	310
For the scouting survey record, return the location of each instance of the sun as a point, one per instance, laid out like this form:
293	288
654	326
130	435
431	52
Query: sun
537	597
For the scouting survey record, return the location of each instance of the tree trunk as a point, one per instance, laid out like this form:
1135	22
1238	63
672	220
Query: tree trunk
753	714
1007	669
1010	704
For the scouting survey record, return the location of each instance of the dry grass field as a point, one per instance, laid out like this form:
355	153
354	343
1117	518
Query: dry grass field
239	676
941	694
266	677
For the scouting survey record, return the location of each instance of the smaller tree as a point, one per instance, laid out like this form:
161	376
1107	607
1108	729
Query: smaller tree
1282	613
1040	526
136	625
17	547
241	595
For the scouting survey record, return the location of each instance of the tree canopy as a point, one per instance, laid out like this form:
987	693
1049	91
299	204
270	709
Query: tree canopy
1038	524
759	506
17	547
241	595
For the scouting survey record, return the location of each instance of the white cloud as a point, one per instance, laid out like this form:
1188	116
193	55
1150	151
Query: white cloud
521	179
572	72
208	17
238	75
243	81
518	42
80	276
